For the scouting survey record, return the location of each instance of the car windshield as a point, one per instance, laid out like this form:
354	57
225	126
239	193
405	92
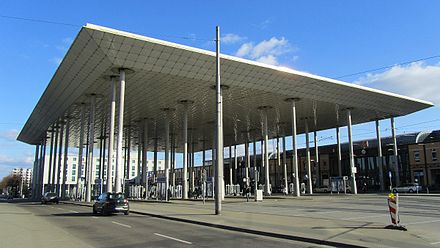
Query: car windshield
116	196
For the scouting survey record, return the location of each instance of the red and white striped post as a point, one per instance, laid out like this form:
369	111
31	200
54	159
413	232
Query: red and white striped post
393	206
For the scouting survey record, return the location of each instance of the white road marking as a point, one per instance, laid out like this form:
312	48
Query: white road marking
60	208
73	211
168	237
422	222
117	223
435	243
94	217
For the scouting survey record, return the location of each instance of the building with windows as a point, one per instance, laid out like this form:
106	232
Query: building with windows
73	170
25	174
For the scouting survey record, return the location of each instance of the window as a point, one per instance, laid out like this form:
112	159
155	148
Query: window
133	161
417	156
132	173
73	166
434	154
73	172
74	159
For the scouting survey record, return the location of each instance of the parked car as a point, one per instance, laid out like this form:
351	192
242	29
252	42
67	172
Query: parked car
109	202
50	197
321	189
408	188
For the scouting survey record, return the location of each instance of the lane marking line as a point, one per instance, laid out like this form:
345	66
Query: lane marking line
435	243
117	223
73	211
94	217
175	239
60	209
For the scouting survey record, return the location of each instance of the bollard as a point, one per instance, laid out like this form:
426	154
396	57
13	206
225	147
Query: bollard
393	207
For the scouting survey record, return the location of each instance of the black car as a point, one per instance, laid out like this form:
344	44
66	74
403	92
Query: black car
49	197
108	203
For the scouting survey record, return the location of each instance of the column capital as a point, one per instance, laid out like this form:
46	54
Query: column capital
292	99
125	69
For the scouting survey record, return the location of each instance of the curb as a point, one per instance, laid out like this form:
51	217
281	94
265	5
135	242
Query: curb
240	229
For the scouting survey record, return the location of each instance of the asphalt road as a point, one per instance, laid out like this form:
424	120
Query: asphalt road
75	226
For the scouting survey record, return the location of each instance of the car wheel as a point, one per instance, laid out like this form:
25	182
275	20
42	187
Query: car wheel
58	202
126	212
103	212
411	191
94	211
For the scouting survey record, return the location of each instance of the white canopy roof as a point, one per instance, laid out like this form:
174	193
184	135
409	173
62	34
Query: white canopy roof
165	73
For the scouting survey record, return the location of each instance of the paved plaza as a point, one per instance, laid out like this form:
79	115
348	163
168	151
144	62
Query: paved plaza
320	219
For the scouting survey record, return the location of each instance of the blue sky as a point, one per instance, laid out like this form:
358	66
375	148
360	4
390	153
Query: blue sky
327	38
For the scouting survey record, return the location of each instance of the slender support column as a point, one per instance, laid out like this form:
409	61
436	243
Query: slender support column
80	152
286	186
66	153
230	166
139	153
338	141
235	164
192	167
309	171
254	156
203	154
42	169
128	157
101	160
34	172
145	158
37	193
247	162
395	152
352	165
379	156
185	154
219	132
338	147
90	163
278	166
54	167
262	166
267	188
111	136
49	177
155	160
60	165
315	141
167	155
119	161
294	147
318	172
102	163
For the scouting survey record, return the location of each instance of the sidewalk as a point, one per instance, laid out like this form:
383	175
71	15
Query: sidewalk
312	230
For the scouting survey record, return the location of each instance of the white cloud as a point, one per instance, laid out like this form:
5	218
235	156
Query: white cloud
267	51
7	163
9	135
417	80
268	59
244	50
232	38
